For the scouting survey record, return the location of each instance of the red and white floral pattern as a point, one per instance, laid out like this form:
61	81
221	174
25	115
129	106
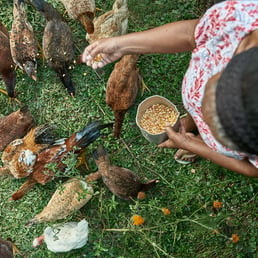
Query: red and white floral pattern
217	36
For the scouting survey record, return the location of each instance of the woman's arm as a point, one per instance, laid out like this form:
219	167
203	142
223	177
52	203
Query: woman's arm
196	145
169	38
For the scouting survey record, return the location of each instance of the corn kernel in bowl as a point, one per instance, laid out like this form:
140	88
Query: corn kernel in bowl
156	117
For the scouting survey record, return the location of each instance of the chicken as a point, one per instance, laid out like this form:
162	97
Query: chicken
122	89
15	126
23	44
71	196
64	237
42	173
7	65
6	249
112	23
82	10
19	157
122	182
58	44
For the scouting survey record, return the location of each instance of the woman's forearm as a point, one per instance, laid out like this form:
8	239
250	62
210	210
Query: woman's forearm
169	38
244	167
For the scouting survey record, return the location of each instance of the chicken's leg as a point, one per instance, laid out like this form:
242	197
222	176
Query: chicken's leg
144	87
82	159
10	99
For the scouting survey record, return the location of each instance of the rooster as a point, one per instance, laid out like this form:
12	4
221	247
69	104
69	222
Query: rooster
19	157
42	173
58	44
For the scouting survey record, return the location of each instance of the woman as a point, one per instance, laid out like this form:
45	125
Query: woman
219	89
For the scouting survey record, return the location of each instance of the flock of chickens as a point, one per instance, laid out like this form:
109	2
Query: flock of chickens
30	150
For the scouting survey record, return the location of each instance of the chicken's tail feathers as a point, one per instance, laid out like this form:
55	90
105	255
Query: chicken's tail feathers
90	133
46	9
149	185
44	134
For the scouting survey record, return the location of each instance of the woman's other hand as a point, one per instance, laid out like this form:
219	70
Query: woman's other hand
101	53
177	140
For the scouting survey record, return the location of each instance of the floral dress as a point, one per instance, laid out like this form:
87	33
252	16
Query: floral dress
217	35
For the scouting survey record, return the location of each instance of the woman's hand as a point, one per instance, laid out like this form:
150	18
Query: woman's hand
102	52
177	140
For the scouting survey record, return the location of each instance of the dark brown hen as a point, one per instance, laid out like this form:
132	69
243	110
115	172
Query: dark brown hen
58	44
122	182
7	66
122	89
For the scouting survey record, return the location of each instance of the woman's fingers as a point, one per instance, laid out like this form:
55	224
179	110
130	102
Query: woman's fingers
168	143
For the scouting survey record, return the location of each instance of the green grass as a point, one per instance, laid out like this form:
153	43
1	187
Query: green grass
194	228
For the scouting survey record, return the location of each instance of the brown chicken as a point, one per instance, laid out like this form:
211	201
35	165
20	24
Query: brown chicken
72	196
15	126
42	173
122	89
122	182
7	66
112	23
6	249
82	10
58	44
23	43
19	157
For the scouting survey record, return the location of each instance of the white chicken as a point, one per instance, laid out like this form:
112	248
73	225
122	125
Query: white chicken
64	237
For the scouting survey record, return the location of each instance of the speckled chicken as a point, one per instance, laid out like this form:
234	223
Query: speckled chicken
122	182
122	89
68	198
42	173
6	249
112	23
20	156
58	44
23	43
7	65
15	125
82	10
